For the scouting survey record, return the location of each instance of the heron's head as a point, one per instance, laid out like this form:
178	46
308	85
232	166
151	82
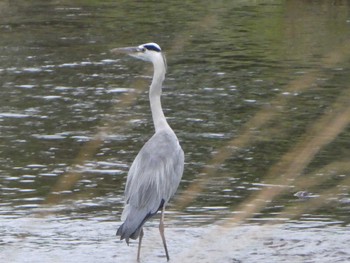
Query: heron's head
148	52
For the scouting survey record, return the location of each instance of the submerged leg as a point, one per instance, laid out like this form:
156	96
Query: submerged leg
161	230
139	248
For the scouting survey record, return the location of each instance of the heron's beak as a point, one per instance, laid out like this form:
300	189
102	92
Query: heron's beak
125	50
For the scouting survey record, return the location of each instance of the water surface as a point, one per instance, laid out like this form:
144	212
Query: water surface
227	64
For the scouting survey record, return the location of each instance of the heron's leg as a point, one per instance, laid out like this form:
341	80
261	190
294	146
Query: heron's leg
139	248
161	230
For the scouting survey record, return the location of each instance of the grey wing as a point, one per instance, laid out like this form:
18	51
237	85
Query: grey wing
154	175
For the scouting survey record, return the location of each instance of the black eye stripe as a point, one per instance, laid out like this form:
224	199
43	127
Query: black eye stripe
152	47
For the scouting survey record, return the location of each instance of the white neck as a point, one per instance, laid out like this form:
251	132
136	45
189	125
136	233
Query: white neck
155	92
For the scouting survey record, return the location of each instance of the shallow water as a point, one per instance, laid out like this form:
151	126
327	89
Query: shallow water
63	239
67	106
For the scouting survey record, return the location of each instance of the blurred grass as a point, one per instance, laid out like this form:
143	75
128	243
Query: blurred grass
291	165
289	170
297	159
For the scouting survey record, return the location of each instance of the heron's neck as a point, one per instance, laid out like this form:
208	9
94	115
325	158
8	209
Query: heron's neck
155	93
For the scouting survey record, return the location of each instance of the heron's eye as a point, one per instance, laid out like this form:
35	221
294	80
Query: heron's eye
142	49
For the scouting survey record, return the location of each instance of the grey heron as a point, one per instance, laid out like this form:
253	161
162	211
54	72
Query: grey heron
155	174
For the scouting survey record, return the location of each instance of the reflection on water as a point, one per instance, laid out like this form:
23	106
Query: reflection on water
260	78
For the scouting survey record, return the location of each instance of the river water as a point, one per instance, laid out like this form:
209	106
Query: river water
257	92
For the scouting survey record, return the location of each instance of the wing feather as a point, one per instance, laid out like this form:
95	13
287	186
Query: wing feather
155	173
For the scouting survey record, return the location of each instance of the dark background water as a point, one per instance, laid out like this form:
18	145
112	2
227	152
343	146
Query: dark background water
228	62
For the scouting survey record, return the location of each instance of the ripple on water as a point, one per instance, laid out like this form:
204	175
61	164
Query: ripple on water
13	115
26	86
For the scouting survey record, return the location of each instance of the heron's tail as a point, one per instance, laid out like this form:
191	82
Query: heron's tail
134	218
133	223
125	233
